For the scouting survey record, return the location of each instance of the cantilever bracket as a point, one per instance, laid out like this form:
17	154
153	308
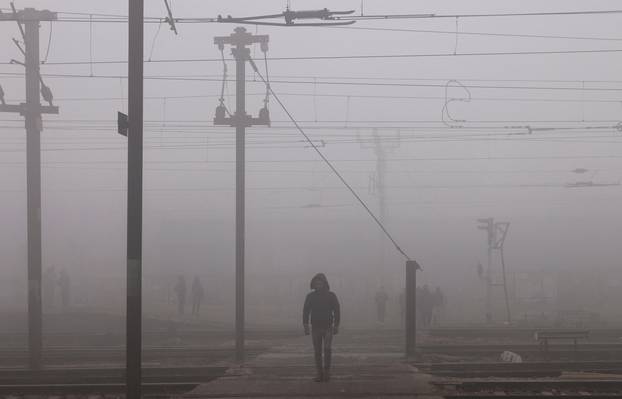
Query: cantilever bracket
290	16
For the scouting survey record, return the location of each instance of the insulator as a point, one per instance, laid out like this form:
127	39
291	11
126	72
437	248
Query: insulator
221	112
264	115
46	93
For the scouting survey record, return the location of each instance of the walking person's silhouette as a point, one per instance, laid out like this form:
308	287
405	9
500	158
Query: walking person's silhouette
322	309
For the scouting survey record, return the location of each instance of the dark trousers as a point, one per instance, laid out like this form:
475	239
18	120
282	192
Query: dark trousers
322	345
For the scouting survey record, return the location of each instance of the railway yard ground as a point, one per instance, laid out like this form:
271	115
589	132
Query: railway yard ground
196	360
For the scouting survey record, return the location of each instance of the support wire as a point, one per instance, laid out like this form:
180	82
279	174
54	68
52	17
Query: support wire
330	165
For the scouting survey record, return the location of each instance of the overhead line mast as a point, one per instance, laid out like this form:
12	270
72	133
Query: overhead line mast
32	110
239	41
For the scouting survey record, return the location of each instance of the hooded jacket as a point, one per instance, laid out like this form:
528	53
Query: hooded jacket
321	306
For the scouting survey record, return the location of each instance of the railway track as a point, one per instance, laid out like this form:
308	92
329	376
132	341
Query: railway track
584	351
530	388
527	369
150	338
517	333
63	381
58	356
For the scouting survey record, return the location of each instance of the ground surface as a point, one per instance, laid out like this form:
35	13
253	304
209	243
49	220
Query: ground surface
368	363
363	367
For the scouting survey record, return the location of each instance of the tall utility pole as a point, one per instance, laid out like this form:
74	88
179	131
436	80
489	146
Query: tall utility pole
501	231
496	233
134	200
378	179
381	148
32	111
239	42
487	224
381	169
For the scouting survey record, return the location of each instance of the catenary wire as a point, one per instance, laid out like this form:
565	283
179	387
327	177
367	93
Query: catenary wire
355	57
328	163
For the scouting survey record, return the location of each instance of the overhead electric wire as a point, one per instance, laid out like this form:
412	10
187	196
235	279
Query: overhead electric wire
199	123
479	15
296	161
251	78
377	16
270	145
353	57
334	95
333	188
326	161
483	172
513	35
405	133
434	16
86	14
335	83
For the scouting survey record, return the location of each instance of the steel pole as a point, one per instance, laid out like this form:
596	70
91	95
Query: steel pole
134	200
491	240
33	184
241	54
489	286
381	170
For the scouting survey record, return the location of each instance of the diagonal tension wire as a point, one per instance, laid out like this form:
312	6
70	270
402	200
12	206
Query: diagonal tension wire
224	81
47	50
267	81
155	38
330	165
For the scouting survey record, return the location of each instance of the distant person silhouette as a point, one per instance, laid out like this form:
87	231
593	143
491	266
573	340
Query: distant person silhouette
197	293
50	280
180	292
381	304
427	305
439	301
322	309
64	284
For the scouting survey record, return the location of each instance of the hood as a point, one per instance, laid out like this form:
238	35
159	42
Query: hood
322	277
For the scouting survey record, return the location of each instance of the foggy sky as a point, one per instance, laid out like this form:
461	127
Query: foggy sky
432	205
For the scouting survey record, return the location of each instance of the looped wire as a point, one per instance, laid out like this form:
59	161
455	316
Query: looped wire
446	117
224	81
267	97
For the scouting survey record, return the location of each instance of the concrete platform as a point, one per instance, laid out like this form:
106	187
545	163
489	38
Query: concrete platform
360	370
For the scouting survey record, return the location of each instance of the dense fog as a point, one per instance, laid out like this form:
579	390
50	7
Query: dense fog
529	139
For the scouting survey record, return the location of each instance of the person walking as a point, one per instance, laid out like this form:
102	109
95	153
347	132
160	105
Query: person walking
64	284
439	304
322	309
427	305
381	304
198	292
180	291
50	281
